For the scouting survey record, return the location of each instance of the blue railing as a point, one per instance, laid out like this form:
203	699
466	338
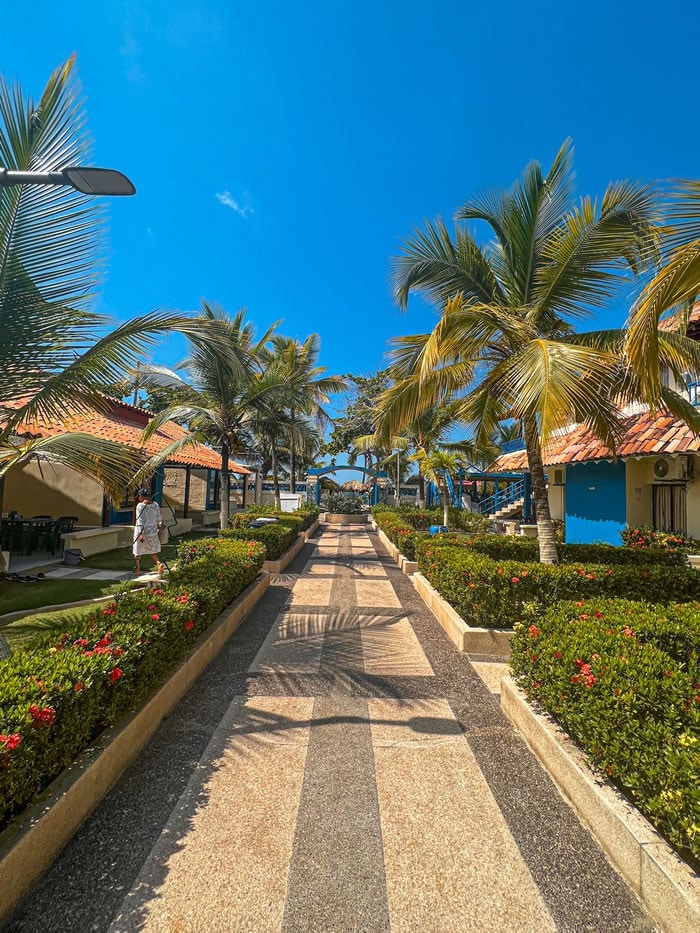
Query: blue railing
510	447
693	394
502	498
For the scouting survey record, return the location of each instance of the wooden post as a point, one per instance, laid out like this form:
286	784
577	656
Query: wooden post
186	506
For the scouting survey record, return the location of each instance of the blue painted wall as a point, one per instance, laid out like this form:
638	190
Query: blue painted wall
596	502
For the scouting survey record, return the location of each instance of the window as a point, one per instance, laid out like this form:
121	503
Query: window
669	508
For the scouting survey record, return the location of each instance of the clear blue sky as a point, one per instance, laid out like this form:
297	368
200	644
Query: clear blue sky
332	128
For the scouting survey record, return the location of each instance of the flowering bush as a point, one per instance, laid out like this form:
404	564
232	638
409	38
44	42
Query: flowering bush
422	519
58	694
519	547
623	679
643	538
399	532
488	592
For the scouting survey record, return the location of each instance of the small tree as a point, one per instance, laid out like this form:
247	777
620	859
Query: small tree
436	466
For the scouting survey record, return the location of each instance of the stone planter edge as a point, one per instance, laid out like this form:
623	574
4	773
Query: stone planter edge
408	566
665	884
30	844
467	638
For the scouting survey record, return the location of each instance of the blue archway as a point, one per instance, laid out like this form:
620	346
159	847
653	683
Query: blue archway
314	475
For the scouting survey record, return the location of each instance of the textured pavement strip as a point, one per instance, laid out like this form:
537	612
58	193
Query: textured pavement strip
417	797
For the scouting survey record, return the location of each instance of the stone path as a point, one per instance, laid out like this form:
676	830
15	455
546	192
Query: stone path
339	767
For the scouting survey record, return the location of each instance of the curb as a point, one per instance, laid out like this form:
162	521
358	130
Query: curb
340	518
486	641
666	886
29	845
409	567
311	530
277	566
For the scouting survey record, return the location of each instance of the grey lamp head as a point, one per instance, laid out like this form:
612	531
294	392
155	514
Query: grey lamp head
105	181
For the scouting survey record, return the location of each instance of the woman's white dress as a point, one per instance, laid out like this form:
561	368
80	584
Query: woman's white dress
147	521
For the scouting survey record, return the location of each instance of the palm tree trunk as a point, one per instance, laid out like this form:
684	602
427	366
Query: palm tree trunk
293	456
275	478
445	505
421	489
545	527
225	486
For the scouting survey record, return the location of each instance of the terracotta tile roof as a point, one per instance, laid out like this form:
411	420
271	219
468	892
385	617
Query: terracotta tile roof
645	434
124	424
671	323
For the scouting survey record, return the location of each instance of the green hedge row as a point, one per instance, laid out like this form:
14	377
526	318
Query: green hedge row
422	519
520	547
58	694
623	680
494	593
276	538
399	532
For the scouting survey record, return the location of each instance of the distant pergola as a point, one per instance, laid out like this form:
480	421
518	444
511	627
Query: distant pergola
313	480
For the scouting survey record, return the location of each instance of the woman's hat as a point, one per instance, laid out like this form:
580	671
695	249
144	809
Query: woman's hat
142	493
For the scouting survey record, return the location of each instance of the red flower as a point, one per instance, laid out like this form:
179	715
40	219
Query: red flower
627	631
80	643
533	631
471	586
109	612
155	617
115	674
78	688
557	654
599	615
45	715
189	625
159	592
515	579
184	598
10	742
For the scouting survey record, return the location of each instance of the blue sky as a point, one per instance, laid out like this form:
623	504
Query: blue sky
282	150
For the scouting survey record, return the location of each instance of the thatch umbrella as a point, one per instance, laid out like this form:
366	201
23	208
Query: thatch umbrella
354	485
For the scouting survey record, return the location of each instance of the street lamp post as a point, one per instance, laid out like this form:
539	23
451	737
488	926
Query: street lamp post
96	181
398	478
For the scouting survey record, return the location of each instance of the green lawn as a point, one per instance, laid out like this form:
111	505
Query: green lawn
17	633
16	596
122	558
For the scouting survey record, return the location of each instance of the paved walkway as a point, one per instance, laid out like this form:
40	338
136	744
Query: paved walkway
339	767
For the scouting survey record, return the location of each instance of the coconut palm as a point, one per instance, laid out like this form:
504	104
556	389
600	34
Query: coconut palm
307	390
224	368
505	345
437	466
55	352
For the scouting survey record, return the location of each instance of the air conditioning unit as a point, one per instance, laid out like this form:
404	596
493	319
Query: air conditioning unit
669	469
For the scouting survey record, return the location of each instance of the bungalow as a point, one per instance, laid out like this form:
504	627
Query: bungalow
187	487
650	479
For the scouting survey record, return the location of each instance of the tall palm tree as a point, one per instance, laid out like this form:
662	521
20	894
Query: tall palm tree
505	344
55	352
225	369
307	388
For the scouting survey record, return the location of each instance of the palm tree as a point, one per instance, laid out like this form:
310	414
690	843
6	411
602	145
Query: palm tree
429	431
55	352
307	390
436	466
505	344
225	370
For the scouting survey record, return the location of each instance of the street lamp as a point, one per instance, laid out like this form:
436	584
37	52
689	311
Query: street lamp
97	181
398	478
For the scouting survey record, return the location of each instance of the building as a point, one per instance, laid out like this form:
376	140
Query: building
187	487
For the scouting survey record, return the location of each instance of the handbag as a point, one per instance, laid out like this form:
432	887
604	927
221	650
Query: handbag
163	534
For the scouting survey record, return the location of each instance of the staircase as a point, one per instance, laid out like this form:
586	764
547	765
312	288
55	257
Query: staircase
513	510
506	504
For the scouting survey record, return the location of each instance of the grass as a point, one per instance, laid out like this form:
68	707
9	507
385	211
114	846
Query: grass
122	558
21	631
16	596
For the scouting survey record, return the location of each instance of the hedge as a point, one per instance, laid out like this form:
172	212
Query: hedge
521	547
422	519
622	678
399	532
277	538
307	512
58	693
493	593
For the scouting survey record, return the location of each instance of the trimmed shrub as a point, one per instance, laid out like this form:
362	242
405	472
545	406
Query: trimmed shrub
308	513
520	547
401	534
59	692
622	678
276	538
342	503
488	592
422	519
641	537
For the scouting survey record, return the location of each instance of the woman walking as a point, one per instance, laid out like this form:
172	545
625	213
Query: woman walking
146	537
